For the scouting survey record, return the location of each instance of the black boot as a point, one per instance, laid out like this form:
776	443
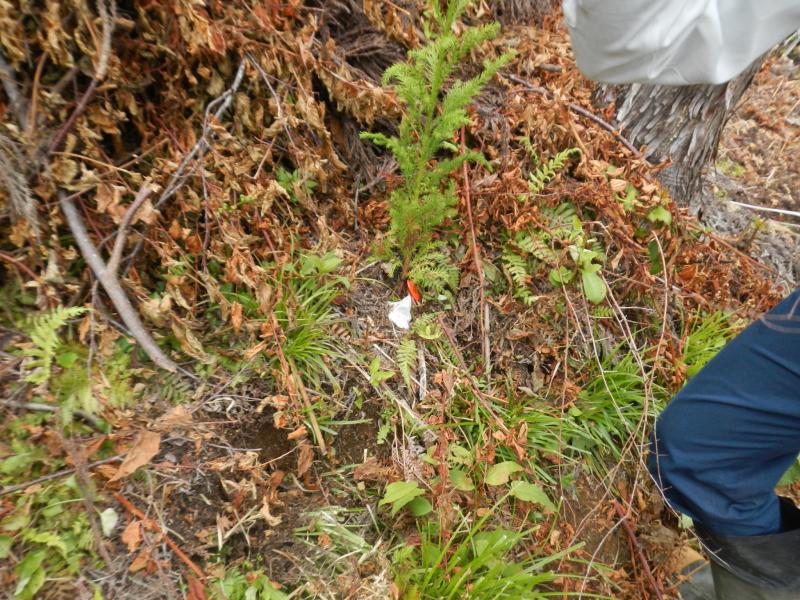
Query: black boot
762	567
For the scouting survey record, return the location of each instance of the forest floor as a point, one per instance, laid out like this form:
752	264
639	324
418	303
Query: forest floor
306	446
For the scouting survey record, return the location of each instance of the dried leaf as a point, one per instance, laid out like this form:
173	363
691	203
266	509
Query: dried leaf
175	418
145	448
305	457
618	185
196	589
141	561
268	517
236	317
298	433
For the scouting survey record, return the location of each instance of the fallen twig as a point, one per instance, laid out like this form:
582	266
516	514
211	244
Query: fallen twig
10	489
581	111
153	526
12	91
639	552
19	264
476	257
85	486
180	176
224	101
38	406
108	279
122	232
780	211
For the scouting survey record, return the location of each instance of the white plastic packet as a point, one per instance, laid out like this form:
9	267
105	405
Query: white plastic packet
400	312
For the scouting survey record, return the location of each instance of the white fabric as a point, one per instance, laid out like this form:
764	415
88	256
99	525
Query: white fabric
675	42
400	312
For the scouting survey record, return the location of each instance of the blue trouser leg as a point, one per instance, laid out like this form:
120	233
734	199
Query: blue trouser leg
725	440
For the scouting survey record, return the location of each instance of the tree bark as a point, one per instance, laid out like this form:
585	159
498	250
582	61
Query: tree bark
679	124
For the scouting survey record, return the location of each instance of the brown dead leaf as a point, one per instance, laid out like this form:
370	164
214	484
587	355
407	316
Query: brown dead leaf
84	326
271	519
145	448
108	199
93	446
32	489
304	458
372	470
175	230
178	417
280	420
196	589
105	471
141	561
254	351
194	244
132	535
618	185
298	433
236	317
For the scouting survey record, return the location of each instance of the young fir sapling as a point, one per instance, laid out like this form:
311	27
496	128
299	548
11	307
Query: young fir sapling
423	146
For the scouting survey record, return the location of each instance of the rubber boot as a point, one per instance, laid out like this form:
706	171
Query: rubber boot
728	586
761	567
692	575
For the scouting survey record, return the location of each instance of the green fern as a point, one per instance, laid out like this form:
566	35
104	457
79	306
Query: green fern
117	371
433	271
518	268
174	389
407	358
535	245
427	326
387	426
433	115
43	331
72	386
602	312
546	172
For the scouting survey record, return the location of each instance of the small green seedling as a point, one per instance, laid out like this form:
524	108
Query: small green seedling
406	493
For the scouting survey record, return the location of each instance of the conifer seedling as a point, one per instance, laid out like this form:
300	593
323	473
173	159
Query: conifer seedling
435	109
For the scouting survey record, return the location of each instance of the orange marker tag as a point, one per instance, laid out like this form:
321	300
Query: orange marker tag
412	289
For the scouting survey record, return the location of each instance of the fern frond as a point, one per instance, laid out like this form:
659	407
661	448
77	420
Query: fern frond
535	245
43	331
73	391
427	326
517	267
546	172
407	358
433	270
602	312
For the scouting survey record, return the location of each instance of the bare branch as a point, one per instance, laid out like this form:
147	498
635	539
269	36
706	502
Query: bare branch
198	150
108	14
108	279
12	91
62	473
122	232
179	177
12	177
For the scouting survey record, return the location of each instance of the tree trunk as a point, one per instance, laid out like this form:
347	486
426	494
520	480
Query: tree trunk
681	124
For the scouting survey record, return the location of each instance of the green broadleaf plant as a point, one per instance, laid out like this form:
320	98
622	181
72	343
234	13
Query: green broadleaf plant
401	493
